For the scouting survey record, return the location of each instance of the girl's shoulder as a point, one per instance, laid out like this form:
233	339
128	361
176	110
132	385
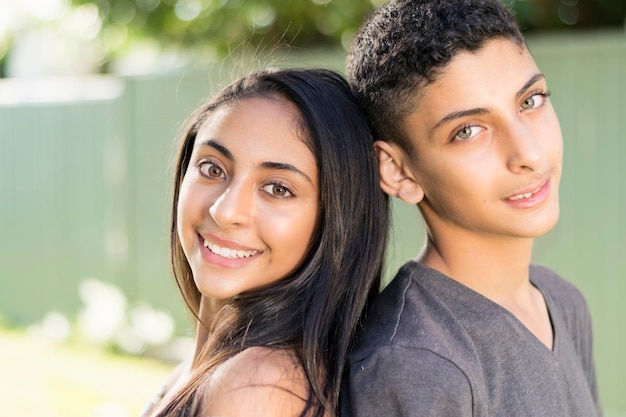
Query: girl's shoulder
259	381
177	378
262	365
179	374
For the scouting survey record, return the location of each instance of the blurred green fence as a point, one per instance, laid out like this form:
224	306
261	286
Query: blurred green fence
61	191
85	185
588	77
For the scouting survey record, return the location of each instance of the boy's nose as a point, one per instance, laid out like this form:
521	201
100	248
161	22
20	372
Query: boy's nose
232	208
525	149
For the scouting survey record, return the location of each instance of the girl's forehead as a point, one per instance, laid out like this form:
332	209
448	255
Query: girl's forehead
252	106
257	130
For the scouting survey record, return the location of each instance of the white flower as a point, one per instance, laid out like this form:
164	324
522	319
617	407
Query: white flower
104	310
150	325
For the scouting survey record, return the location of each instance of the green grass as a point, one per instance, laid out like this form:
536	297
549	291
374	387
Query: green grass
40	379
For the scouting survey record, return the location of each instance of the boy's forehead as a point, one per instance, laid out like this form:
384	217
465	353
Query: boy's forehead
475	62
473	79
499	62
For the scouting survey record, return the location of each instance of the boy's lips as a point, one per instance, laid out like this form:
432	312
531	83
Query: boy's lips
530	196
526	194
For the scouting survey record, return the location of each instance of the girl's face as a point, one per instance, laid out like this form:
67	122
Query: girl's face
249	200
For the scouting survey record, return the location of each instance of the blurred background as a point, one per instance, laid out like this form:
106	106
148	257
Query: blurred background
93	94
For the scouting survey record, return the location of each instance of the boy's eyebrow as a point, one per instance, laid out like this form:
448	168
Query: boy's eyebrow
479	110
458	114
529	83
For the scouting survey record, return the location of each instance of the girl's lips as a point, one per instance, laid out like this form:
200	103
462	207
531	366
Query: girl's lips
530	197
226	254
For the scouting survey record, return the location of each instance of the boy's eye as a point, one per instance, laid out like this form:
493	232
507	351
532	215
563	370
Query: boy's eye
534	101
211	170
467	132
277	190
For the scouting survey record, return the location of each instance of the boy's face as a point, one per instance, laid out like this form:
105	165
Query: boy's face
487	145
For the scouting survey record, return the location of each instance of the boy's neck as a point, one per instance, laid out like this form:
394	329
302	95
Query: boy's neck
494	266
498	269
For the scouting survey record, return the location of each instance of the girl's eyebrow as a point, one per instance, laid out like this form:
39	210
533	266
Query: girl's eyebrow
286	167
214	143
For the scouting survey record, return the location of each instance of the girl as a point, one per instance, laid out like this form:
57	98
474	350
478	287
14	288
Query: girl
277	239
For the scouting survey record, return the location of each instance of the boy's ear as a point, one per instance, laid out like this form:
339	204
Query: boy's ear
396	178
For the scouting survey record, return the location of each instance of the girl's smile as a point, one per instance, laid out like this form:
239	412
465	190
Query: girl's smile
226	254
248	203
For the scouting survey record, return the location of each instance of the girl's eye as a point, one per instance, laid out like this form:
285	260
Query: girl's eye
277	190
211	170
534	101
467	132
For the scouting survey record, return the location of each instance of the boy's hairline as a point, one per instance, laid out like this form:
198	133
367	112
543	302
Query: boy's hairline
416	94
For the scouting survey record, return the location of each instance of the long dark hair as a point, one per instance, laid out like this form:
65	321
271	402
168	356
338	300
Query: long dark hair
315	311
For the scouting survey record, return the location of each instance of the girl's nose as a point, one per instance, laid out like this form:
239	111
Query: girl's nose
233	207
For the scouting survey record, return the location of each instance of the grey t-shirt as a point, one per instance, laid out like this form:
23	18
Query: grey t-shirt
433	347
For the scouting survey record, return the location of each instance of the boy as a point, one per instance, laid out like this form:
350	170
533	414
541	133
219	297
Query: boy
468	328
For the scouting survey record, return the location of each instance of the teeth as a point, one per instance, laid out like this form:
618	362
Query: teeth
519	197
525	195
228	253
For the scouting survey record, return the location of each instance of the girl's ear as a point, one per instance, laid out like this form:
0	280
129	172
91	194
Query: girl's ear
396	178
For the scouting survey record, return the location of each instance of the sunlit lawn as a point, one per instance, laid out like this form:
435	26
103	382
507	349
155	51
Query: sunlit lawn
39	379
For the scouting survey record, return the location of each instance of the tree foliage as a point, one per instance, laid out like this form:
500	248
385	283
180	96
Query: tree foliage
546	15
221	25
224	24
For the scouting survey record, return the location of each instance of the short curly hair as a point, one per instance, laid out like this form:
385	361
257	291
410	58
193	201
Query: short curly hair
405	44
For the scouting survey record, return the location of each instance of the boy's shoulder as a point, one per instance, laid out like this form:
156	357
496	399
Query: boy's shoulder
553	285
412	312
564	299
441	348
423	309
